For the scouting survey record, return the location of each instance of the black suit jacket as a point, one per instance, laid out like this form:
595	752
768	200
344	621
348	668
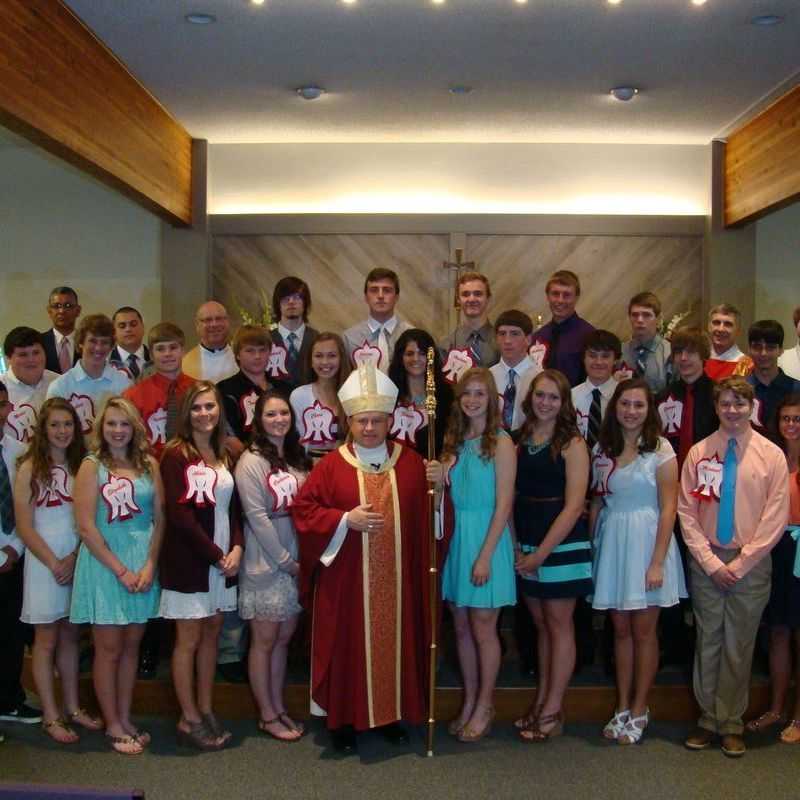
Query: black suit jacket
117	360
300	375
705	420
49	338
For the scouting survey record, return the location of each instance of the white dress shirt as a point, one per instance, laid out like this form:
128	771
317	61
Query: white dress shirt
789	362
525	373
582	399
26	401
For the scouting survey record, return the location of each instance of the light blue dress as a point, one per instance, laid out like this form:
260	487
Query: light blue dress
124	518
472	490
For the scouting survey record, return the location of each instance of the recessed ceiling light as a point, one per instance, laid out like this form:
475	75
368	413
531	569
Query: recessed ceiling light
614	2
349	2
257	2
310	92
438	2
520	2
698	2
197	18
624	93
460	90
765	20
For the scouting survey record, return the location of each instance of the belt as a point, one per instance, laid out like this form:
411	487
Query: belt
526	498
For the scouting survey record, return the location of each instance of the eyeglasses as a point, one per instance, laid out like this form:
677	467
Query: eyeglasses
62	306
786	419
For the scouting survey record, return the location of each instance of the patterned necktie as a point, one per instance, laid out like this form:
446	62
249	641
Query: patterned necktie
64	357
641	361
474	344
6	500
727	500
595	418
509	396
292	352
133	366
172	410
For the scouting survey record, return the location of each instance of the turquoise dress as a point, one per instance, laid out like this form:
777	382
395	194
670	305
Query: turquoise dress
124	518
472	490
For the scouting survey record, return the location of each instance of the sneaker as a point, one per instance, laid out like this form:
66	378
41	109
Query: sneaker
22	713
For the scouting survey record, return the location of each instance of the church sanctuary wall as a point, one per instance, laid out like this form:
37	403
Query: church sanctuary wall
58	226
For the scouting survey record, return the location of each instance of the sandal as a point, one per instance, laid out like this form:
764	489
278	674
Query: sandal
262	726
634	729
530	716
764	721
791	733
289	723
59	730
616	724
83	718
214	726
535	732
125	745
143	737
470	734
199	737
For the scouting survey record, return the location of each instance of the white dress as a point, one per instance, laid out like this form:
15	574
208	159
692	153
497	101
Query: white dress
199	605
625	536
319	428
44	600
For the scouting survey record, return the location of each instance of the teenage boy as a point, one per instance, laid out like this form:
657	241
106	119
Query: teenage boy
91	381
12	632
376	336
564	334
601	351
240	392
515	370
475	334
789	362
733	507
158	397
59	342
212	359
291	304
726	359
129	353
26	380
647	353
769	382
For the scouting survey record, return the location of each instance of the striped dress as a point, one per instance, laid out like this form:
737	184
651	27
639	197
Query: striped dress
539	499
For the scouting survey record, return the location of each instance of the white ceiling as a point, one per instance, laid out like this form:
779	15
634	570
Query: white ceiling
540	71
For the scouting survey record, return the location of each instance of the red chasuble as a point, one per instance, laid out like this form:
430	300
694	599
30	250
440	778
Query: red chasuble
371	619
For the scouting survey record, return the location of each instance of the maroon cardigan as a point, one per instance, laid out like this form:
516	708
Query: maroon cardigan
188	549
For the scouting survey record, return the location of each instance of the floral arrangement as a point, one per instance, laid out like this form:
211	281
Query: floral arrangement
666	329
263	313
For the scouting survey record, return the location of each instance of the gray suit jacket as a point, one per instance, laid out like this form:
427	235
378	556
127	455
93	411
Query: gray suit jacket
356	336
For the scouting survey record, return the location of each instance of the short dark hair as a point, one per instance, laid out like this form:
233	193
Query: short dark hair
64	290
766	330
21	336
605	341
127	310
286	286
382	274
516	319
692	339
646	300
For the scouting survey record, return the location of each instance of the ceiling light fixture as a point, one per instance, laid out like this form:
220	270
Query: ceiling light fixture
349	2
520	2
196	18
624	93
765	20
698	2
438	2
310	92
614	2
257	2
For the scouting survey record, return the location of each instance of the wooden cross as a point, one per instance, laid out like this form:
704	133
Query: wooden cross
456	266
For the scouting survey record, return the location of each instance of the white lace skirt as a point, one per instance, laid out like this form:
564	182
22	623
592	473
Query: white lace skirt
276	603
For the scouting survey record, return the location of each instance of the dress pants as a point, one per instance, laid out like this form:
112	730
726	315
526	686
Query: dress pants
727	623
13	635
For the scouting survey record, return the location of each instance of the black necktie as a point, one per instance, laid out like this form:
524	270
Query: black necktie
595	418
552	347
133	366
509	397
7	518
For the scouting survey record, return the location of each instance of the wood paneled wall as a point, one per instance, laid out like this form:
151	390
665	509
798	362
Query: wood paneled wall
65	90
762	162
611	268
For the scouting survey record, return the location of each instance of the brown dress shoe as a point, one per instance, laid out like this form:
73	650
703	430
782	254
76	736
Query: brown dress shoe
733	745
699	739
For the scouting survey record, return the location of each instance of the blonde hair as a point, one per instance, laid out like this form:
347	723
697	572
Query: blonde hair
138	451
458	423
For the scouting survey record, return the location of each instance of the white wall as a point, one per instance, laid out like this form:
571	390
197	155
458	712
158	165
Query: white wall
778	267
58	226
458	178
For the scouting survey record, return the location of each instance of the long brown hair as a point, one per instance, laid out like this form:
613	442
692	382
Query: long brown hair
788	400
341	376
294	453
184	436
458	422
566	428
611	440
138	447
38	452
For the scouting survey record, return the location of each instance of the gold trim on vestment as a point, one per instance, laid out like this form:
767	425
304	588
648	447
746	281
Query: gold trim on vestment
362	499
398	554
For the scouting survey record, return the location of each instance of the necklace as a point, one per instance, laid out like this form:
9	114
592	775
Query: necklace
533	449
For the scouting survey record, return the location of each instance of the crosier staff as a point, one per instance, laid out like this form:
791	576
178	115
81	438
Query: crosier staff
430	408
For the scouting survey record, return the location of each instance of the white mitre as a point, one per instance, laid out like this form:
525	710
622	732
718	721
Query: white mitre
367	389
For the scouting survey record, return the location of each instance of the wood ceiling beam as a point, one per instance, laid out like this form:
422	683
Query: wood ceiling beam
63	89
762	162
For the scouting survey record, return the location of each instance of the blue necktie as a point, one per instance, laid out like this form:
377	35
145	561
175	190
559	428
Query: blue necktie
509	396
292	352
727	501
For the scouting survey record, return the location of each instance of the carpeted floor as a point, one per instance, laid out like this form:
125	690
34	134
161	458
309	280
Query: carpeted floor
577	766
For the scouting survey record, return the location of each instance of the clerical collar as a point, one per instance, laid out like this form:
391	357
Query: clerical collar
372	457
214	351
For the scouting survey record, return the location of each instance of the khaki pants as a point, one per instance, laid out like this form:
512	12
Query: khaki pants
726	624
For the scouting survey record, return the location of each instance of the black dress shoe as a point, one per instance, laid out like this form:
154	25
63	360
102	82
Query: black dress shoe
344	739
394	733
233	672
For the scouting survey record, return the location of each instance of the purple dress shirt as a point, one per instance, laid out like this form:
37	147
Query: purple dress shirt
564	342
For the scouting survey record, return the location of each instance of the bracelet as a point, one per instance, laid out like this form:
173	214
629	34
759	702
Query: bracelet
120	574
